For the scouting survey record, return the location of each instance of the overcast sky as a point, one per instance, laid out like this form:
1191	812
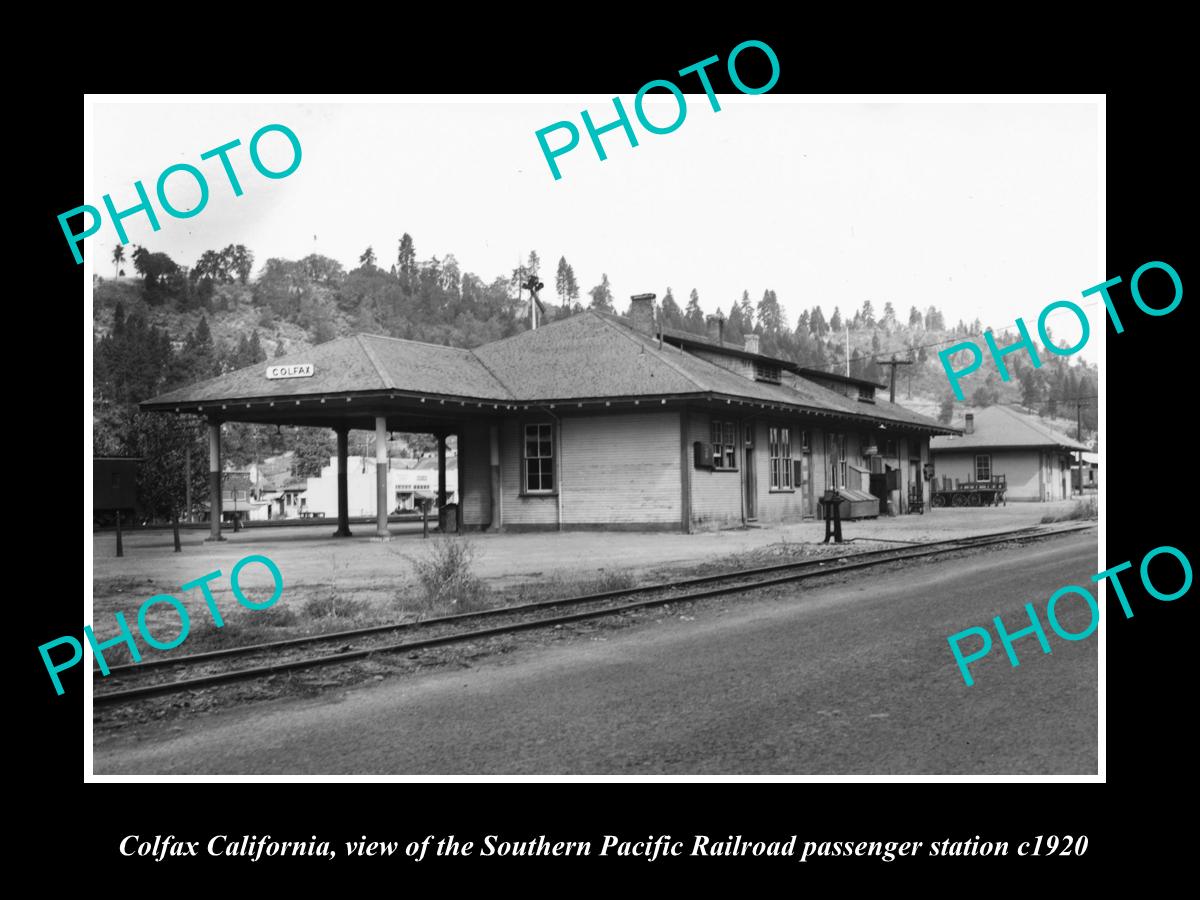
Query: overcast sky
982	209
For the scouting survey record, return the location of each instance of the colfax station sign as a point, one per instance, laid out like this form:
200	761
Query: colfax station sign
296	370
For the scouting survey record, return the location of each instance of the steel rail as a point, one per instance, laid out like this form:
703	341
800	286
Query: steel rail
111	697
267	646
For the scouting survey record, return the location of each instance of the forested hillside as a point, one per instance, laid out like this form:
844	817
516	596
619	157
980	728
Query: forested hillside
168	325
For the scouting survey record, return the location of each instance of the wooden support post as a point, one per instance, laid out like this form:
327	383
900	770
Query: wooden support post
187	481
343	529
381	479
685	474
120	546
441	497
214	480
497	522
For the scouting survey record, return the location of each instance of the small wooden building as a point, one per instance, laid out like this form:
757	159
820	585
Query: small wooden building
998	440
594	421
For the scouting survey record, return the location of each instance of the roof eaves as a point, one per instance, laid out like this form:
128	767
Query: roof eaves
847	415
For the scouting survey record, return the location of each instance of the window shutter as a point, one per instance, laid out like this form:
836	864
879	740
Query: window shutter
703	455
796	482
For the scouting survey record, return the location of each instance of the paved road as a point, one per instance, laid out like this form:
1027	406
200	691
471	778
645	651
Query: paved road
850	678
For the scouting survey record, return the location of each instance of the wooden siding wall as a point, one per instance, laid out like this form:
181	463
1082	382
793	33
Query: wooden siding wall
618	469
716	495
475	474
1022	469
621	469
777	506
521	510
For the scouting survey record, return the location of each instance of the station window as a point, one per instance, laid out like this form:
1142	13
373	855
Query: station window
766	372
724	444
983	468
780	440
539	459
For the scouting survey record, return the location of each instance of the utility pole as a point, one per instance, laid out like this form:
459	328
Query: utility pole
847	349
187	481
893	362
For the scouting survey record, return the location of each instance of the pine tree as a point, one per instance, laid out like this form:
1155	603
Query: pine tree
856	364
279	349
770	316
560	282
889	316
367	260
118	257
735	328
835	321
694	316
868	314
572	288
535	263
406	257
747	309
672	315
946	413
915	319
601	295
816	323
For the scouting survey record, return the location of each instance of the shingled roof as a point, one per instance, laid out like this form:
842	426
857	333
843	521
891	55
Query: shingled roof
361	362
589	356
1002	426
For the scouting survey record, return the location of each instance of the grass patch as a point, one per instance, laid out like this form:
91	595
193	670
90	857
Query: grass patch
559	587
1082	509
335	606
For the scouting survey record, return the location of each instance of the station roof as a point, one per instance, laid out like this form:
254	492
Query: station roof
1001	426
587	357
703	342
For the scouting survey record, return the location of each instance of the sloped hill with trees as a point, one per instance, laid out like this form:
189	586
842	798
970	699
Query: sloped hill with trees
169	325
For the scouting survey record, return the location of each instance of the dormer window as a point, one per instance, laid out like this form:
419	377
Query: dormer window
866	393
767	372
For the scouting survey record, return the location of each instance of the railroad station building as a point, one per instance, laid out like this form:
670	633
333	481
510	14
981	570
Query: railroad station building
1034	459
593	421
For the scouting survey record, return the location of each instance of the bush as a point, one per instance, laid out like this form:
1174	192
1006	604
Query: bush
445	582
1083	509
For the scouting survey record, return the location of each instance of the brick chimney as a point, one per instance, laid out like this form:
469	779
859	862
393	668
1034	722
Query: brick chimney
970	425
716	328
642	312
752	343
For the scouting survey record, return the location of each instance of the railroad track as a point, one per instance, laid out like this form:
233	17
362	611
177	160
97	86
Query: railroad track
280	656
